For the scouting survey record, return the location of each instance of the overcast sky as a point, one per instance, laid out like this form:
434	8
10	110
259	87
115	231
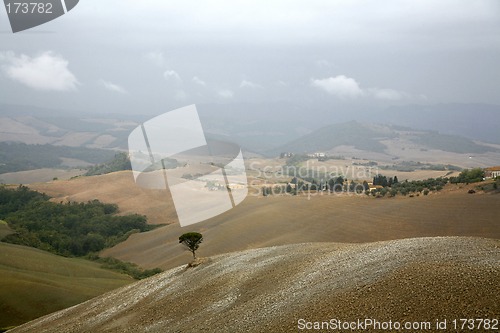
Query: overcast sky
149	56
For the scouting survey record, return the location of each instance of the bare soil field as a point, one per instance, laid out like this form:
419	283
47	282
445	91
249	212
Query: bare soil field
269	169
278	289
279	220
269	221
118	188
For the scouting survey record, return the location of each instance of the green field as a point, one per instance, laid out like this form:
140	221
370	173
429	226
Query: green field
34	283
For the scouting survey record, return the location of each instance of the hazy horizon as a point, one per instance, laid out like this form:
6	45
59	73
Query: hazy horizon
149	57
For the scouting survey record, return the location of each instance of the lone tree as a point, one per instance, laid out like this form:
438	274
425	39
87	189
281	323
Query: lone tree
192	240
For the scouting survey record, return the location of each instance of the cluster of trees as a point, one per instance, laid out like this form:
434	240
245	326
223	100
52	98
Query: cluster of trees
120	162
410	166
70	229
407	187
15	200
387	186
468	176
384	181
335	184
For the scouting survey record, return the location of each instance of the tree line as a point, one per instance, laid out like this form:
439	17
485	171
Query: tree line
15	156
308	184
390	186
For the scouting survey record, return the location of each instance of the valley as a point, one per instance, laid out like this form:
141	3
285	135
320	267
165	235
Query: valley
326	252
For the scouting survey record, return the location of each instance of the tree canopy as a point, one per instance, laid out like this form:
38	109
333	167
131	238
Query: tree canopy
68	229
192	241
469	176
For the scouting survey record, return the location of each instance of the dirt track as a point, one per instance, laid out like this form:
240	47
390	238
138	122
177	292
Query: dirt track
269	290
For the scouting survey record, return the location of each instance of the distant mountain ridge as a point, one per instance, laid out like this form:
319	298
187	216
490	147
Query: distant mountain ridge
34	125
349	134
476	121
265	127
262	127
371	138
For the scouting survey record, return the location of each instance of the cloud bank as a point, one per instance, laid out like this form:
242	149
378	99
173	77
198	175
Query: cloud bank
46	71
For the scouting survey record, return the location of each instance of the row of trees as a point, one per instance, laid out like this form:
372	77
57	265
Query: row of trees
384	181
15	156
410	187
390	186
334	184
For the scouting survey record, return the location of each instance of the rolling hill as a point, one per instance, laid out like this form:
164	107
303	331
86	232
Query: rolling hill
21	157
114	188
374	138
477	121
270	221
360	136
256	126
279	220
281	289
35	125
35	283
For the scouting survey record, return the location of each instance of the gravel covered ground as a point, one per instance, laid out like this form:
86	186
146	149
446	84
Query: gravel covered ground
278	289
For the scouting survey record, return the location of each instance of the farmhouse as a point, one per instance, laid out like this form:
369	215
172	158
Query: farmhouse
492	172
374	187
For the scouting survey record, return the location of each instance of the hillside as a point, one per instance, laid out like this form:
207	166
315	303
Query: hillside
116	188
34	125
271	289
349	134
478	121
261	222
269	221
258	127
17	156
375	138
35	283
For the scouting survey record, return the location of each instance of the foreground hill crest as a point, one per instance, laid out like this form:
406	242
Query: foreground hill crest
269	289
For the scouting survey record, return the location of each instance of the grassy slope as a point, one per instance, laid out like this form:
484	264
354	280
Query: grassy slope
35	283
